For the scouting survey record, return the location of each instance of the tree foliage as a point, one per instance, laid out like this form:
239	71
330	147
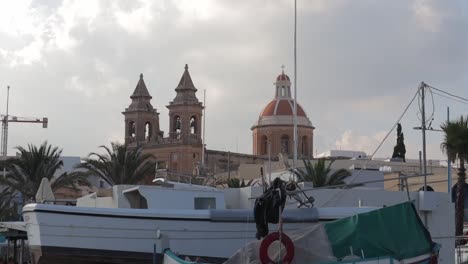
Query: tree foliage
8	209
119	164
321	175
399	151
25	172
238	183
455	144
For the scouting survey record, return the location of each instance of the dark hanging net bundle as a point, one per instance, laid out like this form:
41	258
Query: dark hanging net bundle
268	207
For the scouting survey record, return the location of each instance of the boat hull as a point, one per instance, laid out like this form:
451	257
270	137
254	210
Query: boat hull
65	234
60	255
59	234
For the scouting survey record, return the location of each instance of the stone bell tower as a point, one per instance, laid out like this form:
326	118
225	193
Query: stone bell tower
141	119
185	112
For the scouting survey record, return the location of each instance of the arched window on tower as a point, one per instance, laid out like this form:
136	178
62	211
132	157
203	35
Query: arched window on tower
148	131
264	146
285	144
193	125
305	146
283	91
177	126
131	129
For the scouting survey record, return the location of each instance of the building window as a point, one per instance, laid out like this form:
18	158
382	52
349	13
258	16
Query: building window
177	126
193	125
148	131
285	144
131	129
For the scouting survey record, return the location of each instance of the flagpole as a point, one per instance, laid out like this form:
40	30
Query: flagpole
295	88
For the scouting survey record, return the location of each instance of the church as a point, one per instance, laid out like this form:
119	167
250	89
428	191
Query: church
180	150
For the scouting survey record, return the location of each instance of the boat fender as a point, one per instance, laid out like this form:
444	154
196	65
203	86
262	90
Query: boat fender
268	240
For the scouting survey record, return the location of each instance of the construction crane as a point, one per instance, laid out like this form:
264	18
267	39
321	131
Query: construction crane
15	119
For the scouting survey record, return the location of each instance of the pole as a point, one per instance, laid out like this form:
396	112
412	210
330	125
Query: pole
420	163
5	132
22	251
423	128
269	162
295	88
229	165
203	139
449	165
154	254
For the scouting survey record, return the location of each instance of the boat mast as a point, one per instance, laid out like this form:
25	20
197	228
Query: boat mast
295	89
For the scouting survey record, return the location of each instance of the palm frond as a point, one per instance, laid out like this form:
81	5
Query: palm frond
34	163
119	165
319	173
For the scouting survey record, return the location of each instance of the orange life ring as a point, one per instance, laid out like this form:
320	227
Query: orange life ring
268	240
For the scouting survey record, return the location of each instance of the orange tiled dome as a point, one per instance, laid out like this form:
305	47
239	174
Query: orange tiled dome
282	107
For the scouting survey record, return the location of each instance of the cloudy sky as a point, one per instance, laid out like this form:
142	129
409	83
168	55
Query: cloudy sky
359	64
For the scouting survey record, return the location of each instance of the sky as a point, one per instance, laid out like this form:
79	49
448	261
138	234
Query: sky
359	62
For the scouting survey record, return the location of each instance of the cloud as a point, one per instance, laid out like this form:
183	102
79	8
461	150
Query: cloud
350	141
77	62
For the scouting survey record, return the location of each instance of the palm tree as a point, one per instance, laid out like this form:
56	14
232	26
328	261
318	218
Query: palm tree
455	144
320	174
8	210
119	164
34	163
238	183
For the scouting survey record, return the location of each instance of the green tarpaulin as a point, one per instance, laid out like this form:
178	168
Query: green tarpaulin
395	231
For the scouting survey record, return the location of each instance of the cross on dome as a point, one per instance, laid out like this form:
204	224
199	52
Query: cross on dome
282	76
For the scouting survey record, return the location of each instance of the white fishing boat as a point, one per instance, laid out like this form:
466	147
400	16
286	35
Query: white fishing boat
131	224
125	222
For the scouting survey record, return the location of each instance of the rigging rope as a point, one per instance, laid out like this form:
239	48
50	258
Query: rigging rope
340	193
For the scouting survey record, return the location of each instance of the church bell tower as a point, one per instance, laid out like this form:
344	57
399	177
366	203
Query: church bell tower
185	112
141	119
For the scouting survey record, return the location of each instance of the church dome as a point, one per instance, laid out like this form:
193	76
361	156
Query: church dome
282	77
282	107
280	110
